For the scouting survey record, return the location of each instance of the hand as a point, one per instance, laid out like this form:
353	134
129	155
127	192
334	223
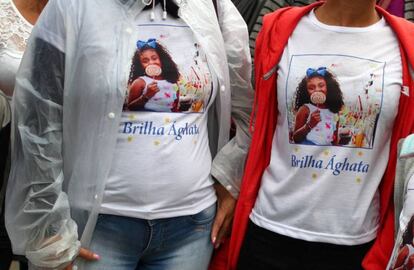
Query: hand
315	118
152	89
85	254
410	262
401	258
224	216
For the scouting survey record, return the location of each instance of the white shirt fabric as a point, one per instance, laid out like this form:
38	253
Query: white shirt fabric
69	146
162	161
330	193
14	32
406	219
408	211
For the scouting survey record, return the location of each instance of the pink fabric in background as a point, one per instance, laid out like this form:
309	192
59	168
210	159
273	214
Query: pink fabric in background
395	7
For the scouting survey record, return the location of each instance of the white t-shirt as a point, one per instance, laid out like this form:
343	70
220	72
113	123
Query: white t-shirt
162	163
329	193
323	132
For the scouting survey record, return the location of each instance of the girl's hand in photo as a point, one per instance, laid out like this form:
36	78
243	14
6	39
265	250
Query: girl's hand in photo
152	89
315	118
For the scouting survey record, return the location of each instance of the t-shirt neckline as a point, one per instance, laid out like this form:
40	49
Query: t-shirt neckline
346	29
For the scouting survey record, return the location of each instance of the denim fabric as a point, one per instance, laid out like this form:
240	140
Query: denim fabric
179	243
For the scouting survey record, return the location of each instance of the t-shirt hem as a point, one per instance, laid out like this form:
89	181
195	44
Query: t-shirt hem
297	233
191	210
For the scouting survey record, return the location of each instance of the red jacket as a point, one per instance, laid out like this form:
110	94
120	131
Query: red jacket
270	43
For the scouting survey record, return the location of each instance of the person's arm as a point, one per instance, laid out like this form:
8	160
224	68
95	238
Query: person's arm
37	210
38	216
228	165
4	143
402	255
302	127
137	98
410	262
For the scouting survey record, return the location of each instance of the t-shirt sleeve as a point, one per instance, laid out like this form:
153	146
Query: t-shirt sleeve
52	23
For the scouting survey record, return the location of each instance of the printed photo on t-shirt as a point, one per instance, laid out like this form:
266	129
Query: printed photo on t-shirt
334	100
169	87
168	74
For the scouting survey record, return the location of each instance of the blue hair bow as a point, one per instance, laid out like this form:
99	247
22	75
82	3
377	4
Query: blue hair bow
316	72
152	43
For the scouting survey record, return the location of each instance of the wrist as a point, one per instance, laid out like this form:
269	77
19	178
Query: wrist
308	126
144	97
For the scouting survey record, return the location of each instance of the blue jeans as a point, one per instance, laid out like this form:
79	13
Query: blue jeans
180	243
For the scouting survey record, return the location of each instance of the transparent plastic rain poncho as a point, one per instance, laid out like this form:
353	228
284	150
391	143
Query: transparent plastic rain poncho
67	104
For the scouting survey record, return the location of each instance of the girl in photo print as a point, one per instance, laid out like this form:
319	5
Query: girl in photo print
152	84
317	102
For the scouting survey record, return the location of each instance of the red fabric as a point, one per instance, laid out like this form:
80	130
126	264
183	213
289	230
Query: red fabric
270	43
220	256
377	258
